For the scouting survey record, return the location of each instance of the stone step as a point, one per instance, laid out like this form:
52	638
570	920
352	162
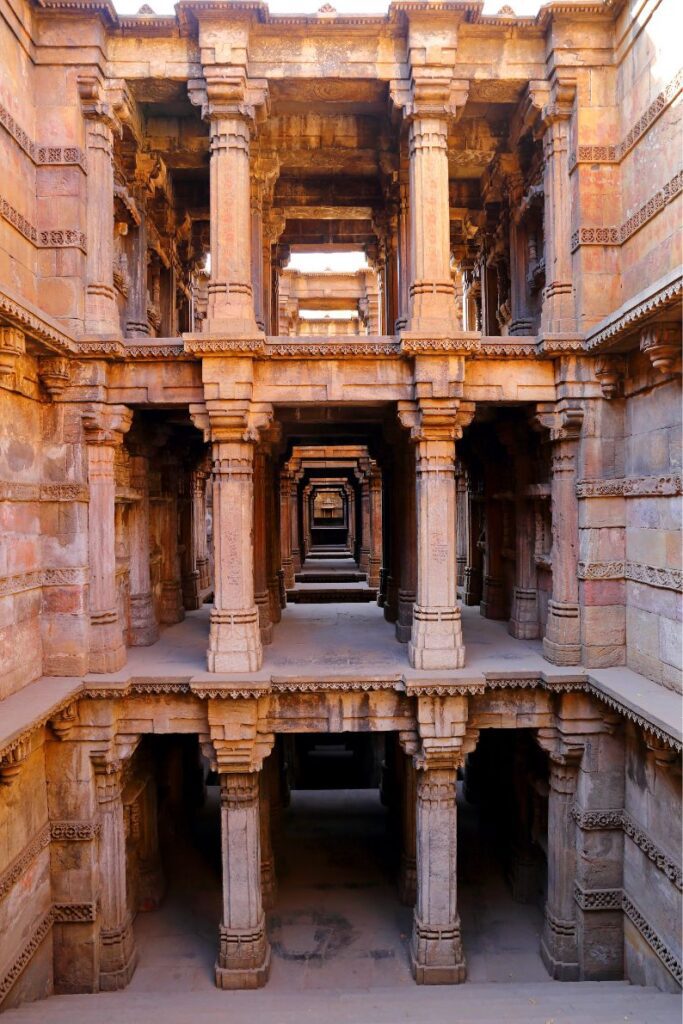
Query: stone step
331	594
541	1003
332	576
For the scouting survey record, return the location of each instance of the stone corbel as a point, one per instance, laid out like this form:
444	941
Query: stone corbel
12	347
662	345
53	372
106	424
443	736
431	92
226	91
12	761
610	370
563	420
237	742
98	103
65	721
560	102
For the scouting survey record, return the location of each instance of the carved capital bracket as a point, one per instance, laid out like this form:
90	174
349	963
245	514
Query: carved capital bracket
106	424
610	371
12	347
12	761
237	741
226	92
563	420
662	345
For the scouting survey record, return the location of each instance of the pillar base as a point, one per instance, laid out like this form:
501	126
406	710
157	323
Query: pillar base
561	643
191	593
244	959
524	622
118	957
436	955
493	598
107	649
234	641
143	626
407	881
559	950
436	640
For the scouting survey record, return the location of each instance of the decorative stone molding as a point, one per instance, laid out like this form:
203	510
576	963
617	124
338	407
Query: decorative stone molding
663	294
56	238
155	350
614	154
590	820
667	579
12	760
661	345
656	944
34	323
66	576
643	841
15	491
200	345
617	235
631	487
41	155
24	957
74	831
74	913
331	349
18	866
598	899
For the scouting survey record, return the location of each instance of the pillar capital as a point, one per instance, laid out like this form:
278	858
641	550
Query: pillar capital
563	419
431	94
227	93
100	102
106	424
661	343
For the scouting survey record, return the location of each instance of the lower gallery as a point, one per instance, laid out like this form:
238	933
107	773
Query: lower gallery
340	500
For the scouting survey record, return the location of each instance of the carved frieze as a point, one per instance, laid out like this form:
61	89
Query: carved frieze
618	234
598	899
56	238
66	576
631	487
19	865
656	944
667	579
24	957
74	831
41	155
74	913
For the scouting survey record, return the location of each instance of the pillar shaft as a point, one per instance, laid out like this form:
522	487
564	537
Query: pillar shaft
136	305
473	574
432	295
524	615
286	529
244	956
436	639
234	640
436	950
143	625
375	559
407	586
261	595
493	595
558	314
294	525
172	609
101	313
559	949
408	868
561	644
188	544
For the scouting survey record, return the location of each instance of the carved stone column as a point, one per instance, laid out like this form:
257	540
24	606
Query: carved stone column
408	867
558	312
306	515
407	587
403	258
562	640
268	879
463	524
436	951
234	639
375	559
524	614
101	313
261	594
104	429
473	575
366	521
172	609
273	531
137	325
188	542
493	595
118	954
143	629
294	523
229	102
559	949
286	529
244	957
436	639
199	485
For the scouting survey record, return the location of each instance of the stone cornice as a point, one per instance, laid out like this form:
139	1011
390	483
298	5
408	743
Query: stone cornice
619	234
614	154
658	297
35	324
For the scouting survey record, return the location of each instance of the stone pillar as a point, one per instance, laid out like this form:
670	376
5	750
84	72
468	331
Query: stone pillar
257	251
559	950
199	484
104	429
231	301
521	322
558	314
234	639
101	312
436	638
136	303
306	514
294	523
244	957
261	594
432	293
562	640
118	955
366	523
473	576
462	521
188	545
351	517
403	257
436	949
524	615
273	532
143	629
172	609
286	529
407	586
408	867
493	595
375	559
268	879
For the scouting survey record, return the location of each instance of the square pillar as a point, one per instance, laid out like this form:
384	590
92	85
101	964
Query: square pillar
244	956
376	540
188	541
261	593
143	629
406	514
286	529
104	427
408	866
472	587
436	953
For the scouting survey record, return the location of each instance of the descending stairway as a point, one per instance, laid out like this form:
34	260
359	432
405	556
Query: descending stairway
331	577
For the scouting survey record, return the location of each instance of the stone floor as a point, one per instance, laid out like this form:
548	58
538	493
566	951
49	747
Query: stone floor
336	639
339	938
